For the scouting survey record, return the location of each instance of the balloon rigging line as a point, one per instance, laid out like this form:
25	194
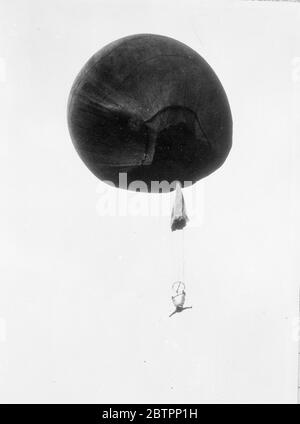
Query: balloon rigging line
182	255
298	335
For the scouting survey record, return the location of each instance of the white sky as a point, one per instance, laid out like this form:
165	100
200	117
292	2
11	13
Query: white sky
85	298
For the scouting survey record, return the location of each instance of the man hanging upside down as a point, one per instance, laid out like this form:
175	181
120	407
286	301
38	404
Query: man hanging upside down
178	302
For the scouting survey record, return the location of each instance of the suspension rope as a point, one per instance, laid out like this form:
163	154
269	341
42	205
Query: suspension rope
182	254
179	220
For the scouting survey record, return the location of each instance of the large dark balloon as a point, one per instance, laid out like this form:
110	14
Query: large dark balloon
151	107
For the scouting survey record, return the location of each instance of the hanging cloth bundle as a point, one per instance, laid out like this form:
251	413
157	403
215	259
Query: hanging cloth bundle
179	217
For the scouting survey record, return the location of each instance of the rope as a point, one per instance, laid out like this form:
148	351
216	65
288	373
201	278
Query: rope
179	220
298	335
182	256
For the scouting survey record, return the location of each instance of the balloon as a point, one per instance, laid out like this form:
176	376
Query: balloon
151	107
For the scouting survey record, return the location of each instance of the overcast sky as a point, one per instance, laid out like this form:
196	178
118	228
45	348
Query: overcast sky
84	296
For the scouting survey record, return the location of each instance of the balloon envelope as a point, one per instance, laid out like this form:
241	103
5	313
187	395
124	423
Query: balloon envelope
151	107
